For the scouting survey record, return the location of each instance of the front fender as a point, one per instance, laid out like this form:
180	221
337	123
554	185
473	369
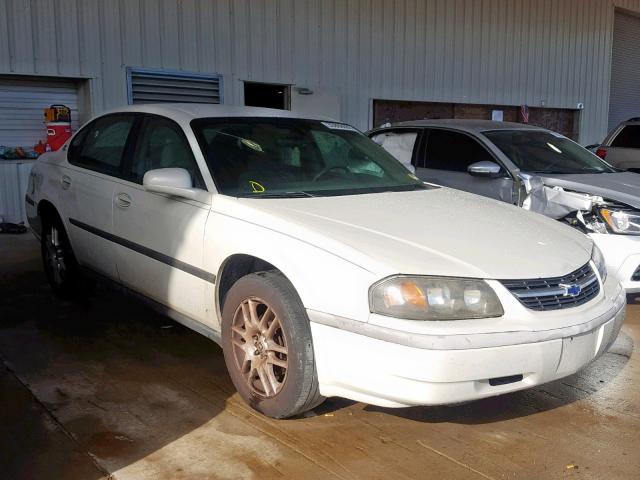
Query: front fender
43	187
324	281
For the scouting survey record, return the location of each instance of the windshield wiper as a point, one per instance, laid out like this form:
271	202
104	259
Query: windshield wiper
279	195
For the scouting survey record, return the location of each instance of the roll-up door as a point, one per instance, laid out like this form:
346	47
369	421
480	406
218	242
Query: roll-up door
22	102
624	100
157	86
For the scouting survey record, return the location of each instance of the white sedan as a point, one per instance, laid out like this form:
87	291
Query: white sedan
317	261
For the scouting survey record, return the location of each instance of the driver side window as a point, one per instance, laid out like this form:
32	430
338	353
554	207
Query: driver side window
163	145
453	151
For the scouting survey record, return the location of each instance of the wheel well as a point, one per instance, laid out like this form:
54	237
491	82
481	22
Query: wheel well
236	267
47	211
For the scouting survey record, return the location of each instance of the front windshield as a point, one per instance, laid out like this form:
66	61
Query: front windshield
539	151
284	157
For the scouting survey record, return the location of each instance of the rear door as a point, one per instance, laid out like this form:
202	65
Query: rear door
96	158
445	156
160	237
623	150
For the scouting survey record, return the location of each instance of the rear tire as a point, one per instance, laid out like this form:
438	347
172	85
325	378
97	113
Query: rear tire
59	262
266	339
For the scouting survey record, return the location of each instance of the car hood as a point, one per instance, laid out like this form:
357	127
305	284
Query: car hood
432	232
620	186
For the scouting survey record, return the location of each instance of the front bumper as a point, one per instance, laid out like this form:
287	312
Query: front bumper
368	363
622	256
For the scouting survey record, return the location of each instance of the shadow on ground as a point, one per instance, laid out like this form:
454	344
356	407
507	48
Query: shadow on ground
116	378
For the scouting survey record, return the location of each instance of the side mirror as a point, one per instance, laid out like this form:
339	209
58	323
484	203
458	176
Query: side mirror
485	169
171	181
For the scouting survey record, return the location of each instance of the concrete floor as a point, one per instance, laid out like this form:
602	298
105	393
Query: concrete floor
109	389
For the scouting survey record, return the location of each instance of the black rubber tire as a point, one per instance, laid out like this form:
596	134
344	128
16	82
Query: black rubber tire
69	285
300	391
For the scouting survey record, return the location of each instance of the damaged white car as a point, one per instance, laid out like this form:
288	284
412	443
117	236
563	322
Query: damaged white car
538	169
317	261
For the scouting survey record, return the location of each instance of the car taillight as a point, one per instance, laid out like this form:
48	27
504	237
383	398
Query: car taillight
601	152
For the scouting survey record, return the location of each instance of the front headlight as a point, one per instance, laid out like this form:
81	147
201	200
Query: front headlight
598	260
621	221
434	298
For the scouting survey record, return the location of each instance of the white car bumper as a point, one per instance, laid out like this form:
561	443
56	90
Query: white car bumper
385	367
622	256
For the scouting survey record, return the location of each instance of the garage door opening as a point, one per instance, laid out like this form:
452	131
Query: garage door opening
22	104
562	120
267	95
23	100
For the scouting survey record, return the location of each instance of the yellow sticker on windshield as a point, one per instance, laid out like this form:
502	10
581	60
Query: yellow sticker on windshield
256	187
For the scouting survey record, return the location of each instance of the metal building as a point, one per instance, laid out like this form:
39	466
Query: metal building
574	63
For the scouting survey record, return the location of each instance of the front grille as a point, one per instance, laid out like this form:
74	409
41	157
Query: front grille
548	294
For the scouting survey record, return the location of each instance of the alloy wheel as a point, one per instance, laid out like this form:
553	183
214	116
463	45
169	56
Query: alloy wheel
259	347
55	256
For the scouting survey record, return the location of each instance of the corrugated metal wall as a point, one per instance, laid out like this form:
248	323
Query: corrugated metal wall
624	100
14	179
555	52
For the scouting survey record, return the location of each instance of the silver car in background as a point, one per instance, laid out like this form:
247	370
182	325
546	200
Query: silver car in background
533	167
621	148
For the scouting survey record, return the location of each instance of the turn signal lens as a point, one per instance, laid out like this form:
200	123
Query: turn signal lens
405	293
622	221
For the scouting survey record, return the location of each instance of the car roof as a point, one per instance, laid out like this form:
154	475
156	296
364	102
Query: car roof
632	121
190	111
467	125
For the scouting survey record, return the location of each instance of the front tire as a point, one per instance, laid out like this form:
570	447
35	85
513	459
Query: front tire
266	339
59	262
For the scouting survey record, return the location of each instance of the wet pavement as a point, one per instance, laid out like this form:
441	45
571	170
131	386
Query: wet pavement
109	389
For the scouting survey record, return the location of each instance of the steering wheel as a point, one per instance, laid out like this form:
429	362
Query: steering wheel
326	170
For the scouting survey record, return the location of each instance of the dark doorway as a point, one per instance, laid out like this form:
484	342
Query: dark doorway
267	95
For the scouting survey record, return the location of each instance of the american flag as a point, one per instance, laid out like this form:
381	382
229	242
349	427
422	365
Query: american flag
524	113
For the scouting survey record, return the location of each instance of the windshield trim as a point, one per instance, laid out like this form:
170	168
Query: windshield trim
346	192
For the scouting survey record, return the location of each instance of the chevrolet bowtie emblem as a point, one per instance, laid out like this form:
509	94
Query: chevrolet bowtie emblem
571	290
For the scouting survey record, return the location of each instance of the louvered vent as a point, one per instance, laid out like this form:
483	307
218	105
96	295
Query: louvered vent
153	86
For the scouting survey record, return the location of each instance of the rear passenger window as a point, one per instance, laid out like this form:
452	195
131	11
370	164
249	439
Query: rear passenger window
453	151
102	146
629	137
398	144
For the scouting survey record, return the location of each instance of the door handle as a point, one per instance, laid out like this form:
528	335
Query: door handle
65	181
123	200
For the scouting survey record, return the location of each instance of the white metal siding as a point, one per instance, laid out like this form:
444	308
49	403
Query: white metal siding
624	102
556	52
14	179
22	104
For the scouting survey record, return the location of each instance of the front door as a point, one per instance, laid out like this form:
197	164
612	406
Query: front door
447	156
161	252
